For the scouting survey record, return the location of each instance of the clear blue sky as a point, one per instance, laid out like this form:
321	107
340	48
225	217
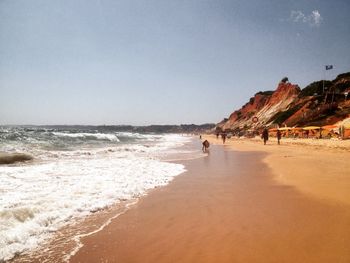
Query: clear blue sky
159	62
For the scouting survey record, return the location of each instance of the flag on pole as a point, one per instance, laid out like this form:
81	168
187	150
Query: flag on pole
329	67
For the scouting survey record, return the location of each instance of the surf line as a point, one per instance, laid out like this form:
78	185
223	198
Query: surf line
77	238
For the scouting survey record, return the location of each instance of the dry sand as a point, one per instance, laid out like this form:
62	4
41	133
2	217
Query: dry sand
229	207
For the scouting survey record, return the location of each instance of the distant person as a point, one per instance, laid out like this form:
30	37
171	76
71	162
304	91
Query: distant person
217	135
205	146
200	136
223	136
307	133
265	136
279	135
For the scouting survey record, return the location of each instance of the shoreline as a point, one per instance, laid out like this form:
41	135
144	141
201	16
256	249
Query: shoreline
223	209
66	241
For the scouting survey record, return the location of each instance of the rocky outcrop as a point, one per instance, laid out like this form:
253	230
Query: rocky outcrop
9	158
320	103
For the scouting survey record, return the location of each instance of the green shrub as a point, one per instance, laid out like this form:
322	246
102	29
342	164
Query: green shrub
314	87
342	76
282	116
266	93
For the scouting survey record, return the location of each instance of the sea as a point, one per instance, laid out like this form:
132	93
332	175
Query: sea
77	172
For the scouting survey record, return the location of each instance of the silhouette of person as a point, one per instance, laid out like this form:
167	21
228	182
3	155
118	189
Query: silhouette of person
279	135
223	136
265	135
205	146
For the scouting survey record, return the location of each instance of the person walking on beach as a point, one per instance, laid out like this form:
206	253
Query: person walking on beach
223	136
205	146
265	135
279	135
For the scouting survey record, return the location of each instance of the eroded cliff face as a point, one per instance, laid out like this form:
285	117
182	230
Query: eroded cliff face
259	110
255	104
291	106
281	99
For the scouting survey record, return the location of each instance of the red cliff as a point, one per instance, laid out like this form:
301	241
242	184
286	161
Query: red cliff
317	104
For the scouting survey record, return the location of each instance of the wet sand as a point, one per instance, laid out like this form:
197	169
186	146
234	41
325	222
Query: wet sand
320	168
226	208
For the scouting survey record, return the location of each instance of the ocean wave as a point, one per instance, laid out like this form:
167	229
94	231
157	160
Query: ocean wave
96	136
18	214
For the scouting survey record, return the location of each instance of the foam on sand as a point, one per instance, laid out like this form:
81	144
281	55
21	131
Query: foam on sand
39	199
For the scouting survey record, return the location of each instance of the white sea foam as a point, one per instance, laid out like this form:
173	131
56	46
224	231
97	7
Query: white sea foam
37	199
84	135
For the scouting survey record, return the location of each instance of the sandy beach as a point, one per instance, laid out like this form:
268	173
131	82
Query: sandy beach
105	107
244	202
316	167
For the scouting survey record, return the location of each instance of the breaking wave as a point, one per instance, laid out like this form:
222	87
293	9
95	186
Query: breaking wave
73	175
95	136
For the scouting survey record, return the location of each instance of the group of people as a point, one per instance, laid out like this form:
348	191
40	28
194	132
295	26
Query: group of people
265	136
223	136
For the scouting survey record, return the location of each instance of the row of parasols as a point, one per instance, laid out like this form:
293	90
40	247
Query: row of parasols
308	128
328	130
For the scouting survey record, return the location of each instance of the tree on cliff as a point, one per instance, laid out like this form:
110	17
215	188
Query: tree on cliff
284	80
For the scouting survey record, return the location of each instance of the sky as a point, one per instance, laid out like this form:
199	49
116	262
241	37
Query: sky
160	62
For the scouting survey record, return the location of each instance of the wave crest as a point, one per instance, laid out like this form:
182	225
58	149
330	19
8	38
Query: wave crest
95	136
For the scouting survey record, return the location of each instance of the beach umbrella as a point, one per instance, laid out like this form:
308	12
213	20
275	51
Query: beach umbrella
297	131
346	123
311	128
329	127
